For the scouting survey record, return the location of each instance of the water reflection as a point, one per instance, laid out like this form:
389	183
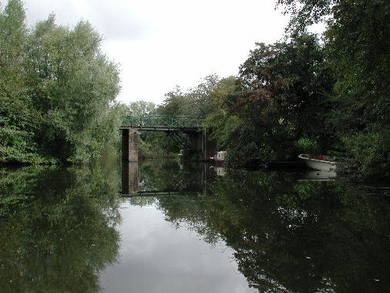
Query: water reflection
189	227
316	175
162	177
130	177
157	256
289	234
57	228
304	236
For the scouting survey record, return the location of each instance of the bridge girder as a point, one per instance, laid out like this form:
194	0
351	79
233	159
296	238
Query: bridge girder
189	125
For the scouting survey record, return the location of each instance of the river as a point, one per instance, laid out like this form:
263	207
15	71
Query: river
163	226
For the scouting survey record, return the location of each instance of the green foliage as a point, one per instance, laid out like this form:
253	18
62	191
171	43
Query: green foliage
141	108
306	12
308	145
17	123
290	81
370	151
281	96
57	91
218	118
356	43
195	102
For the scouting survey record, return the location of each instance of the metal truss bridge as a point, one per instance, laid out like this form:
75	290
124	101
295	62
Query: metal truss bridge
187	132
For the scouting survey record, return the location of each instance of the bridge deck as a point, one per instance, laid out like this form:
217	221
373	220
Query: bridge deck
161	123
162	128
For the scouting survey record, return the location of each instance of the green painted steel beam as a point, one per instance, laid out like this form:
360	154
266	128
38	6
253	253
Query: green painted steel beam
161	121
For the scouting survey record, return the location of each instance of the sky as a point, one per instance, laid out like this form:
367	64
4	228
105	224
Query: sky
161	44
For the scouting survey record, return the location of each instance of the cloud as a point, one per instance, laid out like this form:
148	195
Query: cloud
112	19
115	20
160	44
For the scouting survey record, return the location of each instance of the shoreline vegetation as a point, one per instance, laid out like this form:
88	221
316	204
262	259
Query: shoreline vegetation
57	91
322	94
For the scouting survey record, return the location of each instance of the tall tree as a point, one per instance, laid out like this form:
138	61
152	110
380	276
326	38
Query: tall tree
17	123
57	90
73	84
357	40
282	98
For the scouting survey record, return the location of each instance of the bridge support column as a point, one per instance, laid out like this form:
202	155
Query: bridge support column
210	148
202	145
129	177
196	141
129	145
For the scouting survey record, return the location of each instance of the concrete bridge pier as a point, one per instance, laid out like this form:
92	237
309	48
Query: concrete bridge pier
201	144
129	177
129	145
196	142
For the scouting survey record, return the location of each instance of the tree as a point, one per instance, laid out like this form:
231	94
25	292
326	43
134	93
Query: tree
357	42
141	108
282	97
296	77
57	91
73	84
17	123
194	102
219	120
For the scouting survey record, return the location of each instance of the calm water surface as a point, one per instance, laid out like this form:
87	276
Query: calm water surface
166	227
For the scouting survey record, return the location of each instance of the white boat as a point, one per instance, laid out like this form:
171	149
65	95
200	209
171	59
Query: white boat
219	157
320	162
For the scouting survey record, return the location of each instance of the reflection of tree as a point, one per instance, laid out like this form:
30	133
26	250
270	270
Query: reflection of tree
193	210
314	236
166	175
57	229
293	236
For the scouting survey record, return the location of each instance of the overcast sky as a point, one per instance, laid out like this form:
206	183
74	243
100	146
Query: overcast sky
160	44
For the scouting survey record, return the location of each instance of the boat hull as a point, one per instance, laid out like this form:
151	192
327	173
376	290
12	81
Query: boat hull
318	164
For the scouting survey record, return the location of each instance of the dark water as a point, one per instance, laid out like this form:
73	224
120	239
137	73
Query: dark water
165	227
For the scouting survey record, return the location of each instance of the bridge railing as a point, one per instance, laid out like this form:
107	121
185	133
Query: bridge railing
161	121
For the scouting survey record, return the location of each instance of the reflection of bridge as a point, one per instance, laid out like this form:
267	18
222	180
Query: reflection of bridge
195	184
156	193
190	126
